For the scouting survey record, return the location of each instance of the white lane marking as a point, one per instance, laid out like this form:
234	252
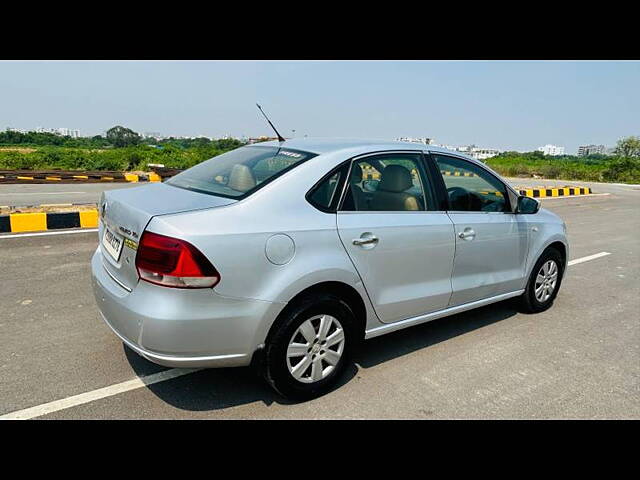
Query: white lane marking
43	234
83	398
36	193
572	196
590	257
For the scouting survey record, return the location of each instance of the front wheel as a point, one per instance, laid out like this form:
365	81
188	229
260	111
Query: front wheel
544	282
310	347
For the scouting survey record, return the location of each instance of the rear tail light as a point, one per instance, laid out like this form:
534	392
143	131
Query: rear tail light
172	262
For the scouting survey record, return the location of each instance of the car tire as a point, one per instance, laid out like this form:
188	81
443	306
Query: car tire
311	371
536	298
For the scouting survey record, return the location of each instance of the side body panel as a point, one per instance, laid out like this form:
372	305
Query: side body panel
491	262
408	272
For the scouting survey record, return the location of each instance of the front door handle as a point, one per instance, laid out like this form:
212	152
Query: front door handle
467	234
366	240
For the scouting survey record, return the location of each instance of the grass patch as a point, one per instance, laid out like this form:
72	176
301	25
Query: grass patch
594	168
119	159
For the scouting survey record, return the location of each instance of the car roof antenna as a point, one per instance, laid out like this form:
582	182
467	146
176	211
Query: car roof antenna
280	138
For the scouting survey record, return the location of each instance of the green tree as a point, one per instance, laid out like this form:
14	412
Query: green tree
623	169
122	137
628	147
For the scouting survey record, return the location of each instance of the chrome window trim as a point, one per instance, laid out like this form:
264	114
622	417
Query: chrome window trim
335	190
476	211
394	212
344	186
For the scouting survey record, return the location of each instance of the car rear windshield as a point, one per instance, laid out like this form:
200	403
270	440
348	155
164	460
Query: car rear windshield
240	172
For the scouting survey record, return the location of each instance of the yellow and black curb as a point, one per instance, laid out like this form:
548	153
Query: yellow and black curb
39	177
368	174
554	192
457	173
41	221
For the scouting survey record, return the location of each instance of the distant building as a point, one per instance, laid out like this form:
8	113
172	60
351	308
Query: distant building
584	150
423	140
62	132
484	153
552	150
479	153
17	130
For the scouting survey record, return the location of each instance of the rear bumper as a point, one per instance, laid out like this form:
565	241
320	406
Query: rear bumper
179	327
231	360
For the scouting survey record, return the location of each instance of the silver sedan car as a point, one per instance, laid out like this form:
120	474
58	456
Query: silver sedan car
287	255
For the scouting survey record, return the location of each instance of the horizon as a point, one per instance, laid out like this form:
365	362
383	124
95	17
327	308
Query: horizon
271	137
506	105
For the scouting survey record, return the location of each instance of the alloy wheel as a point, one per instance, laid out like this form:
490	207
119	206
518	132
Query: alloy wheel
546	281
315	348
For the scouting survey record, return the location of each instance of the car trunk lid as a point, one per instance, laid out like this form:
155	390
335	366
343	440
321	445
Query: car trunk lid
125	213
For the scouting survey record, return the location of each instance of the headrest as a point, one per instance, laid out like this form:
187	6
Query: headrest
241	178
395	178
356	174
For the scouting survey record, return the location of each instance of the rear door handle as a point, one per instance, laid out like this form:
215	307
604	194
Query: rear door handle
366	240
467	234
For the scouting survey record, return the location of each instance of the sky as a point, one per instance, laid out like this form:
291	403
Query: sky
514	105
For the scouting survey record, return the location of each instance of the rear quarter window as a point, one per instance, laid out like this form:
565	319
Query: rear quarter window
325	195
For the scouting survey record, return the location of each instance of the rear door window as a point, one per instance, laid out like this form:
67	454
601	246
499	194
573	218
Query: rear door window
388	182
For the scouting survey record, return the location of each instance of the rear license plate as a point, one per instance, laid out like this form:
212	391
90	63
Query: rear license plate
112	243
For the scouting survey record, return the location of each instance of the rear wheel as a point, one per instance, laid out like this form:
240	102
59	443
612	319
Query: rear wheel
544	282
310	346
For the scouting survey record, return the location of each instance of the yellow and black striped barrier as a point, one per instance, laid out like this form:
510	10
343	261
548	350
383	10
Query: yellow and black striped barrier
368	174
457	173
40	221
554	192
7	177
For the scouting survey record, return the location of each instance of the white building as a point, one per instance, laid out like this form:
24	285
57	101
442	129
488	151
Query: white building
479	153
584	150
552	150
423	140
63	132
484	153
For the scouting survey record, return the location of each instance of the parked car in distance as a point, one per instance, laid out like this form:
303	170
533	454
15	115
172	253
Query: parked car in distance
288	254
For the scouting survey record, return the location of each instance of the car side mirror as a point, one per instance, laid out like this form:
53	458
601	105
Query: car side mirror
527	205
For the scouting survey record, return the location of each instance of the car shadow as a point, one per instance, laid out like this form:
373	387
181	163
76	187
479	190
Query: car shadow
403	342
214	389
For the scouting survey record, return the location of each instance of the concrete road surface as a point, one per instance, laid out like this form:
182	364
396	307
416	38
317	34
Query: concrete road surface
580	359
25	194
